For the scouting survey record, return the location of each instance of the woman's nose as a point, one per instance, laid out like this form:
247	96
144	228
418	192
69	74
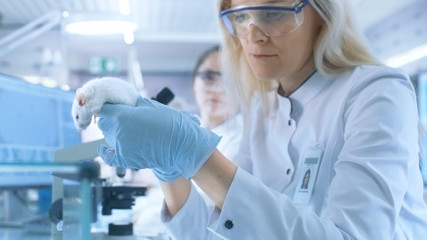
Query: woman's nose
217	86
255	35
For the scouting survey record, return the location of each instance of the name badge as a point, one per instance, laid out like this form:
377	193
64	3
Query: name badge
306	182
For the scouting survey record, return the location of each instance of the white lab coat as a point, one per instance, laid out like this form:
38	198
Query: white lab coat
231	135
368	185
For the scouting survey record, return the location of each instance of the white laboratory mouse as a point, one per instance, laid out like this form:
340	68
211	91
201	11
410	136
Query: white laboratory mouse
92	95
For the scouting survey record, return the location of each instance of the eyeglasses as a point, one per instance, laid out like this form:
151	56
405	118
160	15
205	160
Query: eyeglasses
209	76
212	81
274	19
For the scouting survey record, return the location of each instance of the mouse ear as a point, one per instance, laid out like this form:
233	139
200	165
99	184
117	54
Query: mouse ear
81	99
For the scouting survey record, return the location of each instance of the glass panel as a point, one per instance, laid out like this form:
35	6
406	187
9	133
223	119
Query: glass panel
57	207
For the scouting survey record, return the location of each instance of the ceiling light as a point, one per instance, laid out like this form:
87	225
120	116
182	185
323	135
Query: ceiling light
98	24
407	57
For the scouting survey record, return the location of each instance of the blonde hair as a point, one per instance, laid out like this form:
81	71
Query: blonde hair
339	47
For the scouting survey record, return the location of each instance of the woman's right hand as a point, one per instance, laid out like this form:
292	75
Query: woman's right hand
152	135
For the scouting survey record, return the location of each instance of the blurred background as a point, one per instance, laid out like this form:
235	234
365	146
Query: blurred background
159	41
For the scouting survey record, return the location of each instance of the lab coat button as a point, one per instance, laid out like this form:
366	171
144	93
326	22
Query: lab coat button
289	122
228	224
288	171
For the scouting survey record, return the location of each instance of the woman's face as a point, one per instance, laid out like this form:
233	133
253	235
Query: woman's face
286	57
209	89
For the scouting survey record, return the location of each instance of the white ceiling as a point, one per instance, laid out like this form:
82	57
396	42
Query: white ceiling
370	12
171	33
165	15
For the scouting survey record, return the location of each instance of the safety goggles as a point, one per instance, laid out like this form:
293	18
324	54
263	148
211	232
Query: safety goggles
209	76
211	79
274	19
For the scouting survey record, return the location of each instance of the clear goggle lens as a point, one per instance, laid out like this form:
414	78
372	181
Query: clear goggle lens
209	76
274	20
211	80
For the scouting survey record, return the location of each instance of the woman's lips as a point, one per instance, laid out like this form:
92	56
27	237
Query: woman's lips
213	100
263	56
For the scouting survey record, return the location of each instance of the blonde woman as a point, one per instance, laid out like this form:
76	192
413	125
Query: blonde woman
315	99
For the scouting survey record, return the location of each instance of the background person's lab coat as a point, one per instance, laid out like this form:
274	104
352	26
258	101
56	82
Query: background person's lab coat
368	186
231	132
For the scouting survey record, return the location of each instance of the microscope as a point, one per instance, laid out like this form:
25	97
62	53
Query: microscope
108	196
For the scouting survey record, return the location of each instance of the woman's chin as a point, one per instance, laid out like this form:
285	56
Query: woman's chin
266	77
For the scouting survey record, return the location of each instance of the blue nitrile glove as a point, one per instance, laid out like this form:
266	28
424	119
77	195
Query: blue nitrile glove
166	174
152	135
163	174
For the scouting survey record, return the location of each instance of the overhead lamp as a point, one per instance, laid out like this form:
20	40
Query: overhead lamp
407	57
90	23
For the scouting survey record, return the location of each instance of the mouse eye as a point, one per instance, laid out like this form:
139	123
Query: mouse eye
77	117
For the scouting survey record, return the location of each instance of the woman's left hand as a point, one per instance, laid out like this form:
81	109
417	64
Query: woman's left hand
152	135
